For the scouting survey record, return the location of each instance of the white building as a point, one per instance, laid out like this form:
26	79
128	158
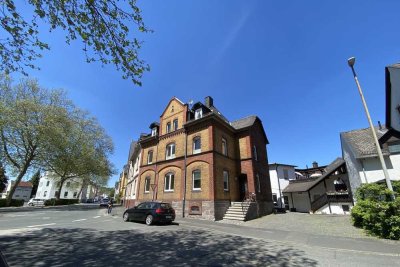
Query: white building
50	183
280	175
358	146
23	190
133	173
322	194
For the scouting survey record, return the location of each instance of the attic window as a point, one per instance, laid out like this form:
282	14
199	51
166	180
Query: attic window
198	114
154	131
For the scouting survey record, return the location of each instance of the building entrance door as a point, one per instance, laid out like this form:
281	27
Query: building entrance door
243	186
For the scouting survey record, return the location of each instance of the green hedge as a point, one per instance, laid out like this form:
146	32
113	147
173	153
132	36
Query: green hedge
376	212
14	202
58	202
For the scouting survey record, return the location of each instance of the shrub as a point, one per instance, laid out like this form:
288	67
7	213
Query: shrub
14	202
58	202
376	212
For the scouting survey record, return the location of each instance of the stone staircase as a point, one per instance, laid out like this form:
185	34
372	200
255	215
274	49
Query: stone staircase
238	211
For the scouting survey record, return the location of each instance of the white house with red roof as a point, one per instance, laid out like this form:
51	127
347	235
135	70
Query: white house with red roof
23	190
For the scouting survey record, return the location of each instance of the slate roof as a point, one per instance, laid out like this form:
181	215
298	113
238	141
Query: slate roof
131	150
362	142
244	122
305	185
396	65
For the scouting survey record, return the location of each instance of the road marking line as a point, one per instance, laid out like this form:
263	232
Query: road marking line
39	225
95	217
18	215
79	220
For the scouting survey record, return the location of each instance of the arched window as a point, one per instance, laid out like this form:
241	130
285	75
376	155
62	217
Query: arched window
196	175
196	145
170	151
169	182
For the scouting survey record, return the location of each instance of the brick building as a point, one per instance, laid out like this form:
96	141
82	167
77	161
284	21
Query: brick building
200	162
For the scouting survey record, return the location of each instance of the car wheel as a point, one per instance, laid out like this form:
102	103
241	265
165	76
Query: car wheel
149	219
126	217
30	204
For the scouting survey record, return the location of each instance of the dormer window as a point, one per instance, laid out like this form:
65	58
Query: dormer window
198	114
154	131
168	127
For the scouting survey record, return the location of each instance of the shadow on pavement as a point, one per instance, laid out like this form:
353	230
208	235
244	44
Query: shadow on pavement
181	247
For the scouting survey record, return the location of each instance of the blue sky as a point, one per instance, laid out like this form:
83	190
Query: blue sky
284	61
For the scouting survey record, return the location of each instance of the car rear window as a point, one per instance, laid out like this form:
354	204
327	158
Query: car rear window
165	205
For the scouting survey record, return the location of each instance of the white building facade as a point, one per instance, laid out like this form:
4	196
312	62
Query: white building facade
358	146
280	175
50	183
133	174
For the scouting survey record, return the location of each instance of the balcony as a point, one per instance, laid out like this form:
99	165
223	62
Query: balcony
330	197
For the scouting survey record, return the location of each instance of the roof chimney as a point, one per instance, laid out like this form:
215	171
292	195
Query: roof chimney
380	126
208	101
315	164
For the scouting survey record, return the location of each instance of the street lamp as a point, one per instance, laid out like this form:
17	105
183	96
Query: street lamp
351	62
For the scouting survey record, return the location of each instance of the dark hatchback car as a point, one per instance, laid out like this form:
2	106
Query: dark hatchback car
150	212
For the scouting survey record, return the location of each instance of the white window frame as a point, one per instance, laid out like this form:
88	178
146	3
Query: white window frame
45	194
193	178
75	194
48	183
147	181
255	153
175	124
168	127
195	151
198	113
154	131
225	175
169	187
149	159
65	194
224	147
169	149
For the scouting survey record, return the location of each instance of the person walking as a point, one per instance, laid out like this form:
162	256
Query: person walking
110	206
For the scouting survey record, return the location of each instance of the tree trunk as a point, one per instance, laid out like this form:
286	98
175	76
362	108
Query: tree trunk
19	178
62	180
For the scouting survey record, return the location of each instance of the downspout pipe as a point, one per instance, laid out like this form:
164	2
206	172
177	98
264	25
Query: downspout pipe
184	179
279	187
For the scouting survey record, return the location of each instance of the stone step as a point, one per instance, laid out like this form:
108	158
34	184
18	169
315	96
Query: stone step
234	218
238	208
235	215
235	212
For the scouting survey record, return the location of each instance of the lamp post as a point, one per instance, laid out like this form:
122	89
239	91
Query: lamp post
351	62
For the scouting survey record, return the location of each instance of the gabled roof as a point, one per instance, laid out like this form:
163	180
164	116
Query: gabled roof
362	142
305	185
25	184
172	99
244	122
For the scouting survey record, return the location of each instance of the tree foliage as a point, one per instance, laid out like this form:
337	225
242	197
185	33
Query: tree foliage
376	212
43	129
28	113
80	150
104	27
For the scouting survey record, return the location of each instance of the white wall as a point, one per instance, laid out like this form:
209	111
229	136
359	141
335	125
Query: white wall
19	193
336	208
373	169
49	183
276	175
300	200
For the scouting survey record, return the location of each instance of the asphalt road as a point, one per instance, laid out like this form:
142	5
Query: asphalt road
46	237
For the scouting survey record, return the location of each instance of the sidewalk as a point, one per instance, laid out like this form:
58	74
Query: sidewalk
81	206
361	245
